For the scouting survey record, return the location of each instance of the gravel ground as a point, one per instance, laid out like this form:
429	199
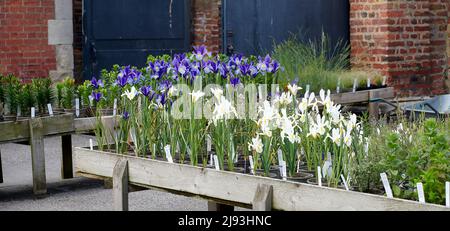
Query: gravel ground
71	194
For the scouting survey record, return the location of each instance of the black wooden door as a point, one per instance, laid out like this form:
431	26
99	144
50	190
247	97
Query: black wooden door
125	32
252	26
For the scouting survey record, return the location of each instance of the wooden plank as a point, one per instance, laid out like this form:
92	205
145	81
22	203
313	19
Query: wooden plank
263	198
66	162
38	156
1	170
235	187
120	185
52	125
82	125
362	96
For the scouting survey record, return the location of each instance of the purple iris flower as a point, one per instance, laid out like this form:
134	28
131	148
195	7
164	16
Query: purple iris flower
253	70
96	83
273	67
161	99
244	69
223	70
97	96
125	115
164	85
235	81
146	90
236	60
122	81
200	52
211	67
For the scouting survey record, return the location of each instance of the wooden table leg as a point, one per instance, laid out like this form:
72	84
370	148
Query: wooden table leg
66	162
120	185
1	170
38	157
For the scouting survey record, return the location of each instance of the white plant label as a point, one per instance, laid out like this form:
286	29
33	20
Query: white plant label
420	192
91	100
261	95
368	82
307	88
168	155
298	165
211	159
91	144
154	149
115	107
252	170
280	157
19	111
208	143
384	81
33	112
447	194
216	162
283	170
386	185
345	182
50	110
319	176
77	107
354	85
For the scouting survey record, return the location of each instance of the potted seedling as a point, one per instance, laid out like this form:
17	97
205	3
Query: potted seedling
11	86
26	99
68	95
43	92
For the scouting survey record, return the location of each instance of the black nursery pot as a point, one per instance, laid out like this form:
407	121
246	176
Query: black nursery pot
313	181
301	177
260	172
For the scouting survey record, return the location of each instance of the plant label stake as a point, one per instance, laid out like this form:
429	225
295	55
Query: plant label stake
260	92
168	155
319	176
345	182
420	192
368	82
250	159
77	107
354	85
178	147
283	170
91	144
50	110
280	157
383	83
19	111
154	150
91	100
216	162
211	159
447	194
115	107
33	112
208	143
386	185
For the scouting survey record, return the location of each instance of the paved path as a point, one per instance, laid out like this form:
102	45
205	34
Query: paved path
72	194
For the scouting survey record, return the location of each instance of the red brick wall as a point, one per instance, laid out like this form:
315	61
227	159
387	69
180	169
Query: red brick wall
404	40
24	49
206	24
